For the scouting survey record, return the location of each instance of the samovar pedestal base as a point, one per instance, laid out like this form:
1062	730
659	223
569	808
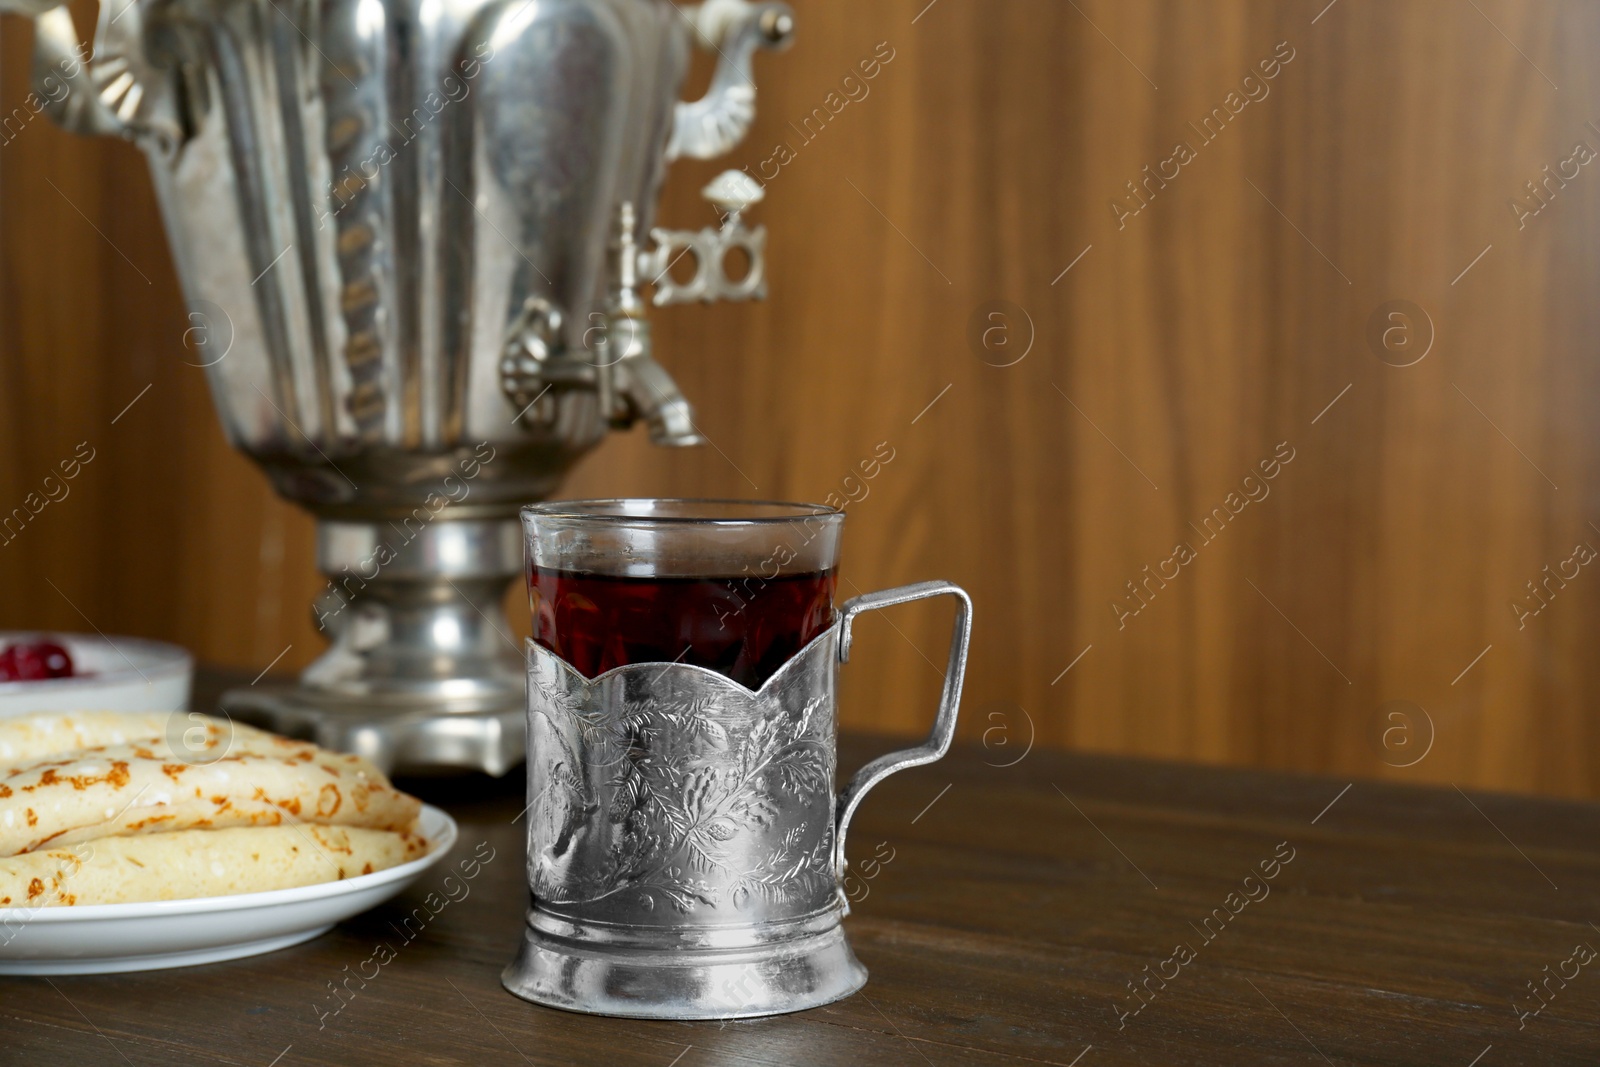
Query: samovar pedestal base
407	741
674	981
421	673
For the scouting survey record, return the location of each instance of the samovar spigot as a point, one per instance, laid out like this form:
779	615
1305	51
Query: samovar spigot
633	386
615	363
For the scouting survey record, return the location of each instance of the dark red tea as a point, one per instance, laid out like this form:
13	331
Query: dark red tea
745	628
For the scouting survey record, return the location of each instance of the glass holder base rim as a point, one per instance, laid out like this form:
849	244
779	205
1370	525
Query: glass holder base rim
774	979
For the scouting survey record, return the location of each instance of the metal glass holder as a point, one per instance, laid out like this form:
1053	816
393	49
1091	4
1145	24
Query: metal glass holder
686	848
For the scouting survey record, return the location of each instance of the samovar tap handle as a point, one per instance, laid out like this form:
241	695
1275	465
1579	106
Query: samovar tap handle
633	386
732	193
734	29
944	723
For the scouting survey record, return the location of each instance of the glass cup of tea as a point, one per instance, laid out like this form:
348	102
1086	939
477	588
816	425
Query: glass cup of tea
686	846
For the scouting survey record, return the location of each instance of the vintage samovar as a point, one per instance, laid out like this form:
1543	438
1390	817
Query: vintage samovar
416	239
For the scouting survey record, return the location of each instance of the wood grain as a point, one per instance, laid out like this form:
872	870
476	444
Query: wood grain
1185	343
1013	909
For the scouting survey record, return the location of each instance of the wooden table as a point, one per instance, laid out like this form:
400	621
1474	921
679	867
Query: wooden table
1021	907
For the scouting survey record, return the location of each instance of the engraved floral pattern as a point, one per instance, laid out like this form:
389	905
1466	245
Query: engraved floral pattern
662	786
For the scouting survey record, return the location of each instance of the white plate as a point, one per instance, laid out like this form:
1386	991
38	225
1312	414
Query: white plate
109	938
122	674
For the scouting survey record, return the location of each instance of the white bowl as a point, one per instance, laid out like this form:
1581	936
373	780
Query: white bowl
114	938
124	674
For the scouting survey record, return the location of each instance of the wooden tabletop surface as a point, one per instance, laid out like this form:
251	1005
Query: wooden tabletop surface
1052	911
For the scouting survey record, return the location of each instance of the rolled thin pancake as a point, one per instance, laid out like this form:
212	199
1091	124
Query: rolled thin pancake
200	863
27	739
130	789
188	736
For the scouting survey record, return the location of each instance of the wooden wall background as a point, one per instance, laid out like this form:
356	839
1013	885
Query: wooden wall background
1175	354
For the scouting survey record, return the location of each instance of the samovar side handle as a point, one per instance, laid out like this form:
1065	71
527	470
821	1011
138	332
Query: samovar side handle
944	724
734	29
61	78
101	95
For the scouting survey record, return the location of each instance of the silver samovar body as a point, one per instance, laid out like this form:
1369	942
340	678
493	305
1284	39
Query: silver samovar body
415	238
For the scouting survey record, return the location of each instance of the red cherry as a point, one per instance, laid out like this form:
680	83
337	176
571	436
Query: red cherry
35	661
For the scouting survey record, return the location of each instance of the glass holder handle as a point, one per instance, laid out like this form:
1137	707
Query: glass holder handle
944	724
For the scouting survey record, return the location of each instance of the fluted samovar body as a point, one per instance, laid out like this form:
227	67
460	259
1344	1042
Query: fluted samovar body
415	238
